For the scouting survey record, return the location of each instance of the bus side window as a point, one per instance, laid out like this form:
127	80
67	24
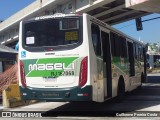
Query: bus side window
96	39
115	44
123	47
142	55
136	51
140	52
112	43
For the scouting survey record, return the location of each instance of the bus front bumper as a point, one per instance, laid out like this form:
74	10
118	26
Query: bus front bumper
58	94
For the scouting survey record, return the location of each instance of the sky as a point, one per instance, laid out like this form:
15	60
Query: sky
9	7
149	34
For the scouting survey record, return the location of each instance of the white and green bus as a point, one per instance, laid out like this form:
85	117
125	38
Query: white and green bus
69	57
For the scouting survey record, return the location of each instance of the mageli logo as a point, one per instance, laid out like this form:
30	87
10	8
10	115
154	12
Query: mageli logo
50	66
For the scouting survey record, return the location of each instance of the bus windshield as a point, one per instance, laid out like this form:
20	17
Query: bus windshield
52	32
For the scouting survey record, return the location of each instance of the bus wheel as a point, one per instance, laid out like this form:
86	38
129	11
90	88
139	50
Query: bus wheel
120	90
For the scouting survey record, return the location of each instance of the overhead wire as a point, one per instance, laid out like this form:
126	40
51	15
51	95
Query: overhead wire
141	21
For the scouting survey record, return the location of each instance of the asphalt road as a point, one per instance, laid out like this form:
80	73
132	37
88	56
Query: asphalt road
142	103
144	99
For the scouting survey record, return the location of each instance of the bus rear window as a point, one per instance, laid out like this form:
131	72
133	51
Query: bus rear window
52	32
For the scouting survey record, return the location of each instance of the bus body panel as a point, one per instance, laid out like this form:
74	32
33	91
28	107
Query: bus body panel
131	82
92	67
96	69
40	66
37	69
55	75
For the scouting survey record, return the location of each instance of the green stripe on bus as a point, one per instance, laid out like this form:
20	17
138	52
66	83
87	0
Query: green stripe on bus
47	67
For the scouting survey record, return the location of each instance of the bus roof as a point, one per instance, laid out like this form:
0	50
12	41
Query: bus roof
56	15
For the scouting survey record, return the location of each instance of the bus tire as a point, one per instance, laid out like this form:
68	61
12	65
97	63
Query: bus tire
120	89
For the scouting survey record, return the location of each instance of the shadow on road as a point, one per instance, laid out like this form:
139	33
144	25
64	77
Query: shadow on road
83	109
140	99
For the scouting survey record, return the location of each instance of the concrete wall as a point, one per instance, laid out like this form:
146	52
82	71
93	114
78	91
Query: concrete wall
144	5
19	15
9	28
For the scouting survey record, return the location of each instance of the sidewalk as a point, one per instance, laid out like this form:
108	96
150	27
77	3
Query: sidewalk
41	106
1	107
